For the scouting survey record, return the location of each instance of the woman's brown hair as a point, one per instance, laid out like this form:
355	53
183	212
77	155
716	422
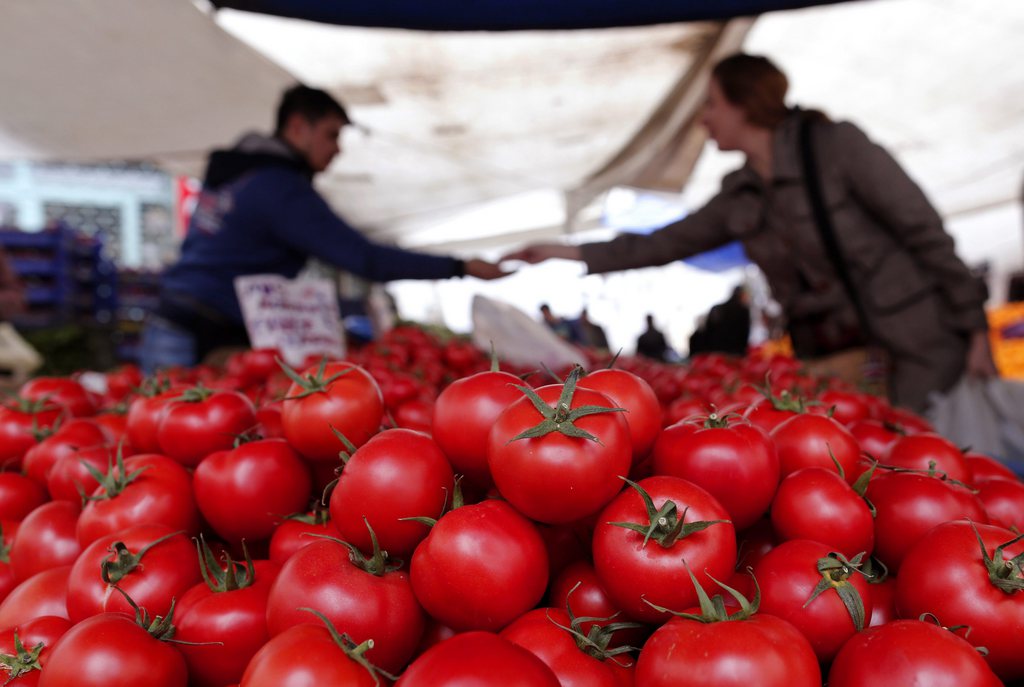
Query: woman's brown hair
755	85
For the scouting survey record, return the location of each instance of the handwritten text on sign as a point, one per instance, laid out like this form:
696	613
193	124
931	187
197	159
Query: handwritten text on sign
300	318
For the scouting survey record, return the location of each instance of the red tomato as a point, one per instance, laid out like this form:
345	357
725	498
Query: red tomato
920	451
60	391
643	411
146	489
480	567
19	496
20	420
397	474
222	622
463	416
846	407
984	468
245	492
873	436
571	465
416	414
296	532
808	440
735	462
332	396
144	415
578	588
635	570
363	598
70	478
909	652
25	649
46	539
543	633
44	593
150	563
268	420
818	504
1003	501
477	658
8	581
883	601
968	574
200	422
690	653
70	436
769	413
908	504
308	654
113	650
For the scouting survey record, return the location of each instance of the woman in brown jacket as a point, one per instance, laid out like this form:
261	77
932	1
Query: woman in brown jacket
904	288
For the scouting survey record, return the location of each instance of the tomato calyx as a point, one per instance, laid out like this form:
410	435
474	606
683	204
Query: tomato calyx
5	548
124	561
596	640
458	501
377	565
114	481
22	661
355	652
665	525
312	383
152	386
934	620
234	575
785	400
562	416
716	421
319	515
30	406
1006	575
712	609
836	571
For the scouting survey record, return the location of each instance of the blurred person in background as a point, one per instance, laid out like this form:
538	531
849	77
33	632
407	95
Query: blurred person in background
590	333
898	285
651	343
258	213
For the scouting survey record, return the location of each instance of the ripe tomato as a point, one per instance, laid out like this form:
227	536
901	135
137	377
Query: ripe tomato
815	503
874	437
554	458
44	593
1003	501
70	478
985	468
309	652
364	598
61	391
131	656
847	407
690	528
69	436
464	413
199	422
25	649
909	652
398	474
578	588
331	396
477	658
823	595
734	461
19	496
145	414
296	531
968	574
46	539
809	440
480	567
20	420
245	492
643	411
921	451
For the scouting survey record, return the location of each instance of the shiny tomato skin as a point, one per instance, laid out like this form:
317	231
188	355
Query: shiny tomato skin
305	655
807	440
18	431
579	588
161	494
1003	501
464	413
191	430
351	404
557	478
321	576
477	658
398	474
225	628
19	496
643	411
143	419
71	435
166	571
61	391
910	652
296	533
944	574
480	568
873	436
111	650
787	576
738	465
243	493
45	630
46	539
985	468
687	653
908	505
69	478
815	503
44	593
846	407
632	571
919	451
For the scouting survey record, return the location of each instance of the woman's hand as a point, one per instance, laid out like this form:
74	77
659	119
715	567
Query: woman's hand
539	252
979	357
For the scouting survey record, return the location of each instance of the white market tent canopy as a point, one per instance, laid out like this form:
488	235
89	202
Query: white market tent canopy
472	140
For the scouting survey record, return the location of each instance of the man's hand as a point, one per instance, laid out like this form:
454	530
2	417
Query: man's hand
539	252
979	357
481	269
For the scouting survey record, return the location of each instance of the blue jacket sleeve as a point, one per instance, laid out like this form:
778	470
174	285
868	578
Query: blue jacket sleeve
303	220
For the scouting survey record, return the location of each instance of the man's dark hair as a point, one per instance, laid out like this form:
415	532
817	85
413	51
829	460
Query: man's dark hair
311	103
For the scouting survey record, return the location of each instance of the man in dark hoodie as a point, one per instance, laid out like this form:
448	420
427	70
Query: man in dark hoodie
259	213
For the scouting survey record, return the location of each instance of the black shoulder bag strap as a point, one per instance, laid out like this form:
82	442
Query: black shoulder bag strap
823	221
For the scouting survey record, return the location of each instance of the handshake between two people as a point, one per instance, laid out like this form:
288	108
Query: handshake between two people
532	254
